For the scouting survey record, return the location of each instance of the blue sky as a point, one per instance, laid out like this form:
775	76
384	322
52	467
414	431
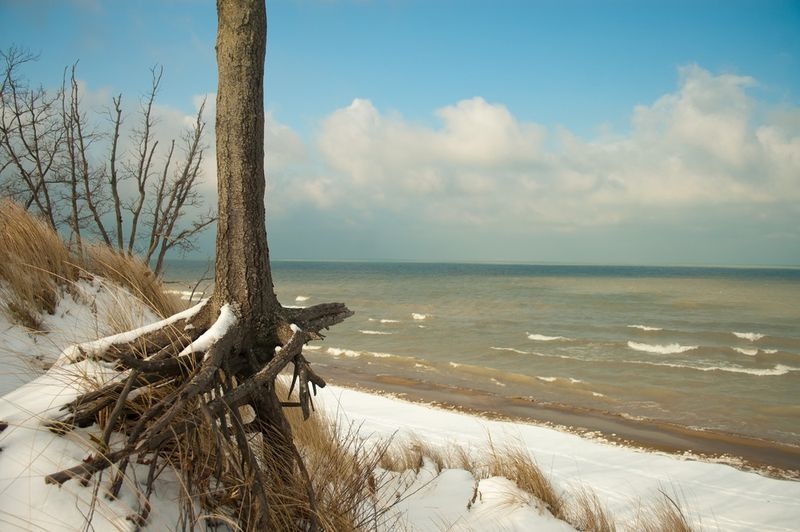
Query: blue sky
534	131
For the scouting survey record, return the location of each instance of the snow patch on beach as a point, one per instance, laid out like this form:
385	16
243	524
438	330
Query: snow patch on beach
669	349
751	336
545	338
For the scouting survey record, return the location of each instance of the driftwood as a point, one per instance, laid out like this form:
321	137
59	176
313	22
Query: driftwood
174	379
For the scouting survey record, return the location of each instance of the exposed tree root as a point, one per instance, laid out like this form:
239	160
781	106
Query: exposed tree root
178	400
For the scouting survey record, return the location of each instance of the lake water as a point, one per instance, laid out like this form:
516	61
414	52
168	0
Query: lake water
711	348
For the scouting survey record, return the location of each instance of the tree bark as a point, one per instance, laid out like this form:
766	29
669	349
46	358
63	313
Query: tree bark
243	273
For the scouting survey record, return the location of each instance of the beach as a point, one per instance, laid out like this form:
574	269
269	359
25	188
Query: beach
721	481
687	360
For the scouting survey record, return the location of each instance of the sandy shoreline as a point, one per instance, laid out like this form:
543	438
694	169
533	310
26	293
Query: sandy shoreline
766	457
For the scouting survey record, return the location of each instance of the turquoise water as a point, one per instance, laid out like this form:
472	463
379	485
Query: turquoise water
703	347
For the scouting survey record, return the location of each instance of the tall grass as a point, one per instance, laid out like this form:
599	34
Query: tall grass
133	274
36	268
34	262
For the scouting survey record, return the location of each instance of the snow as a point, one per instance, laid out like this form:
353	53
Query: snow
714	496
225	320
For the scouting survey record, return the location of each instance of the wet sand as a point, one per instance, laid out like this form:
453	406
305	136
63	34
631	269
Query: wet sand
766	457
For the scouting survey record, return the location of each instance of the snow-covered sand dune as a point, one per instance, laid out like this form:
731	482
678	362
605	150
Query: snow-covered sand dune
715	496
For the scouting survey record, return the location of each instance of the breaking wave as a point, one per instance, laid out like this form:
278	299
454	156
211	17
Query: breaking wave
748	352
374	332
511	349
749	336
645	328
669	349
302	298
545	338
418	316
778	369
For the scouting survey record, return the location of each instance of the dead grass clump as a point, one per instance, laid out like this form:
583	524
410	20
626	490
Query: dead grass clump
514	463
404	455
586	512
131	273
33	262
343	469
665	514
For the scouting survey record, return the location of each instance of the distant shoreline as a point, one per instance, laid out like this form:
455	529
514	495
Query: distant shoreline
769	458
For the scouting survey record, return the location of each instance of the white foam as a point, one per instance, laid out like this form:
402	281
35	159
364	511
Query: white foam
455	365
418	316
302	298
779	369
547	379
770	351
545	338
511	349
749	336
645	328
598	394
312	347
497	382
335	351
373	332
669	349
748	352
575	381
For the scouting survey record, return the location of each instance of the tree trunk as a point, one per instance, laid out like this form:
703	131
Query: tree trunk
223	354
243	273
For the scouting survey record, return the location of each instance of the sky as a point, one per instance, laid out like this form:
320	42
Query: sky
610	132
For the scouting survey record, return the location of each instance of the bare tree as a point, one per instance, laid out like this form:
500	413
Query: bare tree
52	160
31	136
227	352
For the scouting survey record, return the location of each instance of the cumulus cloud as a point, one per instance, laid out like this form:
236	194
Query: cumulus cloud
708	143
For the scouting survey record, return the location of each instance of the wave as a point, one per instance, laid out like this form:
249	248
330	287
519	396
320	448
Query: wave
373	332
511	349
418	316
545	338
302	298
547	379
383	320
749	336
337	352
778	369
669	349
645	328
748	352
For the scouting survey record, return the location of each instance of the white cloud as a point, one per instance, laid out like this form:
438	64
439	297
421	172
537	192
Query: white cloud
709	143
